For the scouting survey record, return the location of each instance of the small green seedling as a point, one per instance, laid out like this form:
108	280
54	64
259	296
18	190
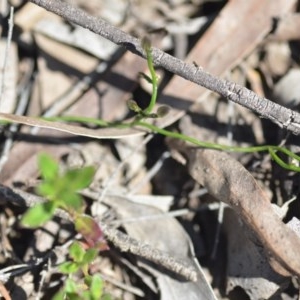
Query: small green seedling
81	259
92	287
61	191
153	80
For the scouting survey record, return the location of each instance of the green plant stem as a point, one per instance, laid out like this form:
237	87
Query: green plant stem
151	105
138	121
272	149
79	119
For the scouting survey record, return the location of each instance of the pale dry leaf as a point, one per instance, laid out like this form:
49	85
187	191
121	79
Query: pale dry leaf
54	77
9	93
187	26
295	225
167	235
135	160
102	133
287	28
277	59
287	89
225	44
61	57
228	181
113	11
27	17
247	264
21	164
77	37
117	87
163	203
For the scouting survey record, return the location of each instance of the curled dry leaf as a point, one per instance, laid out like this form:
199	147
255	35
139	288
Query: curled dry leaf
228	181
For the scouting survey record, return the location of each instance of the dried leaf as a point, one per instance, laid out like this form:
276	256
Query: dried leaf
247	264
8	90
228	181
167	235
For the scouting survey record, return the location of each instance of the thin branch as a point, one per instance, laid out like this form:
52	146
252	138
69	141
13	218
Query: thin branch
118	238
280	115
129	244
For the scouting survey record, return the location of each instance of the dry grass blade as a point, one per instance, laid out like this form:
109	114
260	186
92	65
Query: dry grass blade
102	133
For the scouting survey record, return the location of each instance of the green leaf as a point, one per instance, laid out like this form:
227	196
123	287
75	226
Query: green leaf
106	297
71	286
68	267
86	295
38	214
132	105
70	200
73	296
77	252
47	189
47	166
59	296
96	287
79	178
90	255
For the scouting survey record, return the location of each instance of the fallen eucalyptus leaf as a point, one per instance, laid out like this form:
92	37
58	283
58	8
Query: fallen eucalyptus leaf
228	181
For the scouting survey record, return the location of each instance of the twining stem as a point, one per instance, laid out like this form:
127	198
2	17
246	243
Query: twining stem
138	122
272	149
147	48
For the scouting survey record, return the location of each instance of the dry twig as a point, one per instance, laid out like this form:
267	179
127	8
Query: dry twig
280	115
119	239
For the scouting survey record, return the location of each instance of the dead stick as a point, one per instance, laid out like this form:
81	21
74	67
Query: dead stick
282	116
119	239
